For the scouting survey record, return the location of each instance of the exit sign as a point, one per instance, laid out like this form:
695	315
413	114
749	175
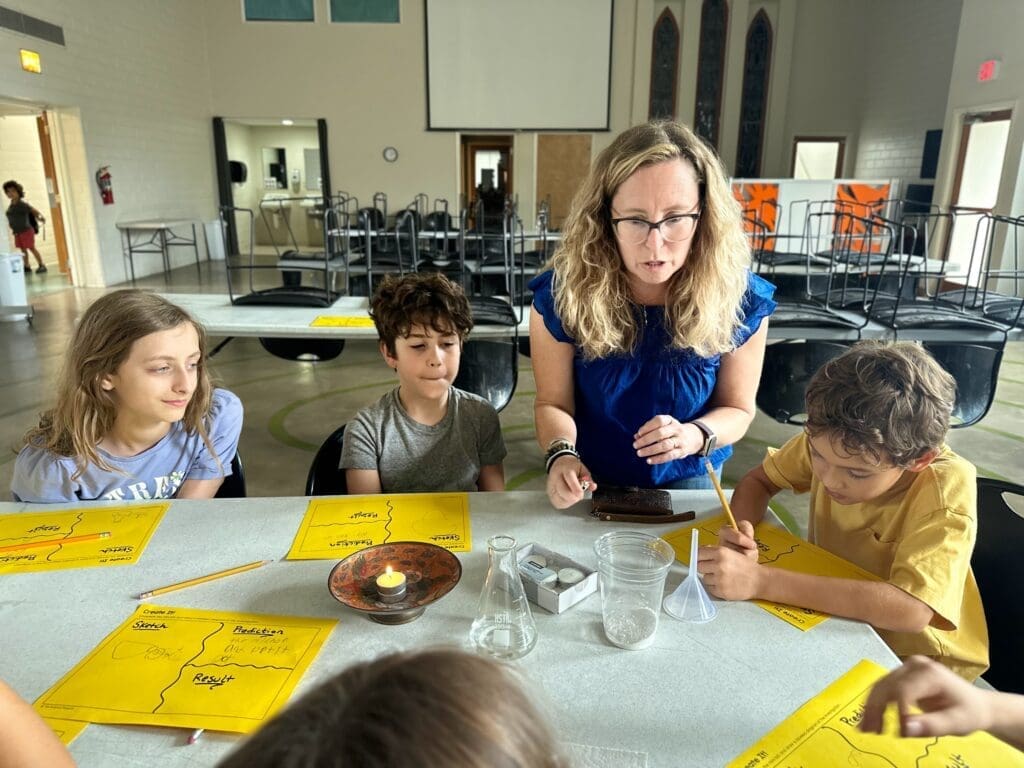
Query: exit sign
988	71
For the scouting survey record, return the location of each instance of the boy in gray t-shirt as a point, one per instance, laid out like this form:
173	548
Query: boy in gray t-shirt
425	435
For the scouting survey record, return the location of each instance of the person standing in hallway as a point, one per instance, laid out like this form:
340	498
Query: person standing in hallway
23	219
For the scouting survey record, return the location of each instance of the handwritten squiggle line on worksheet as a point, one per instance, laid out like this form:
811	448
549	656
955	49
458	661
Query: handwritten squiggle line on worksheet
857	749
181	670
233	664
789	551
331	525
932	743
71	531
387	529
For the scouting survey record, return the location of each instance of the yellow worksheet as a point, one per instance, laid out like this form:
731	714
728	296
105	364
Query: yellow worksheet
188	668
66	730
336	527
824	732
130	529
780	549
342	321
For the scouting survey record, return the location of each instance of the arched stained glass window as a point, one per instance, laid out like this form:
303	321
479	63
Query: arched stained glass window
664	67
754	106
714	21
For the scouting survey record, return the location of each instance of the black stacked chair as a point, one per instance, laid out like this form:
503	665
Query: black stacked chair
325	477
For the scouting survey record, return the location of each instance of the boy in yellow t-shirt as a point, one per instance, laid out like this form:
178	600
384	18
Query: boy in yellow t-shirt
886	494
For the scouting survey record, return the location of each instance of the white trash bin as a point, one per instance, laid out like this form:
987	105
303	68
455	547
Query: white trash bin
12	285
215	239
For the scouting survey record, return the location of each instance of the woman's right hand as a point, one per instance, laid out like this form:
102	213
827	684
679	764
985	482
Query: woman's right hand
568	479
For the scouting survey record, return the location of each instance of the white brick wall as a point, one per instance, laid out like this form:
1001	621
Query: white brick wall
137	74
909	48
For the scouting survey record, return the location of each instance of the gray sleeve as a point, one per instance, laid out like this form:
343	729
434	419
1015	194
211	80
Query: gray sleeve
42	478
492	442
359	449
225	427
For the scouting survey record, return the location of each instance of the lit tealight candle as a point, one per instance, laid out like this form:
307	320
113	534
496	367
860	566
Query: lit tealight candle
391	585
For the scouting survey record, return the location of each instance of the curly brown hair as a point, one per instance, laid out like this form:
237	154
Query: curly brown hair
890	400
12	184
425	298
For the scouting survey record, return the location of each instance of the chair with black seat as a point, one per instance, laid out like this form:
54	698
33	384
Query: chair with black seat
788	368
325	477
975	368
996	565
233	486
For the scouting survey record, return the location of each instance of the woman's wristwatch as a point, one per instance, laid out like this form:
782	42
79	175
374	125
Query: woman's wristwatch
710	438
558	448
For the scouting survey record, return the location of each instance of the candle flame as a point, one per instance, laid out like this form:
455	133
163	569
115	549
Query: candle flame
388	570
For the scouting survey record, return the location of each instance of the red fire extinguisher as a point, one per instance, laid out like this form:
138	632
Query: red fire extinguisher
105	184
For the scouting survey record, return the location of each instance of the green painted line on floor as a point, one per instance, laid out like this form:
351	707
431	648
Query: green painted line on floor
276	424
517	427
1008	404
1001	433
272	377
1007	379
525	393
27	408
785	516
994	475
522	478
8	458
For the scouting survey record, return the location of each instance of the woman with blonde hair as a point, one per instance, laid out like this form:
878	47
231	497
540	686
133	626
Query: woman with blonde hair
648	329
136	415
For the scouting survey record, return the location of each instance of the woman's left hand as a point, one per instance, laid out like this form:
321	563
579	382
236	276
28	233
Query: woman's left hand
664	438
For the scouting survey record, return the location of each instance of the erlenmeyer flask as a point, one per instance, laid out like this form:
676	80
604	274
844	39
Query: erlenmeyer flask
504	626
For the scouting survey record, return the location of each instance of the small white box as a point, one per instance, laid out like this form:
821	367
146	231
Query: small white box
556	597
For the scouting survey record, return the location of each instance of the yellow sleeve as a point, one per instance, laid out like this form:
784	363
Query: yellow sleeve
933	556
790	466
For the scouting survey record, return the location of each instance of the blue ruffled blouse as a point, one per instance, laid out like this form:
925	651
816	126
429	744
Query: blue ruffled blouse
615	395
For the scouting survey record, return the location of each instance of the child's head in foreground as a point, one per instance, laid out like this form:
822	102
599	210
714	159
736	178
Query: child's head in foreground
873	413
433	708
422	320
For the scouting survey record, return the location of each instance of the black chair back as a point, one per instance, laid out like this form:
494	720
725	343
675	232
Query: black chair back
325	478
996	564
233	486
788	368
976	370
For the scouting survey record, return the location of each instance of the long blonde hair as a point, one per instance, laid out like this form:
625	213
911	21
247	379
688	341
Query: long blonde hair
85	412
592	295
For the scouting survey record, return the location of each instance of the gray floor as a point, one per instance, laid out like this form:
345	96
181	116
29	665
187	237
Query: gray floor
291	406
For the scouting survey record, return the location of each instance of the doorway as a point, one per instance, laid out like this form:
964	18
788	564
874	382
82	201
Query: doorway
486	178
28	156
979	169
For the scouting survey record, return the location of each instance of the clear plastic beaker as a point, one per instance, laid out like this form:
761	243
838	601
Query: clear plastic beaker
504	626
632	567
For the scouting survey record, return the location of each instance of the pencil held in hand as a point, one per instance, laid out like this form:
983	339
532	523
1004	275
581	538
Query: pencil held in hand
203	579
51	542
721	495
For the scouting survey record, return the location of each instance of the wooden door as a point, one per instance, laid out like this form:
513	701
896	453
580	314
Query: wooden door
563	160
56	216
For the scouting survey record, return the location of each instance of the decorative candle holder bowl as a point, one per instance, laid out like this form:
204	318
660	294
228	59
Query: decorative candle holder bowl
431	572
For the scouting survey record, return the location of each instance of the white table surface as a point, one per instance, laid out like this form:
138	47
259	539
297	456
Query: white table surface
698	697
156	224
221	318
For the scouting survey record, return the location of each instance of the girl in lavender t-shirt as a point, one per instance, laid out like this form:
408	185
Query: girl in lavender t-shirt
136	415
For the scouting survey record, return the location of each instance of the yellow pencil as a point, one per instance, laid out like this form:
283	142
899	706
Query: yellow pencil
721	496
204	579
51	542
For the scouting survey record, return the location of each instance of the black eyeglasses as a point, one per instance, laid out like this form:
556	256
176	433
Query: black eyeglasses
674	229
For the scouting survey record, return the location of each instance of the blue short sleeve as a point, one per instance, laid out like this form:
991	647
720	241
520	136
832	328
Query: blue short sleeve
757	304
41	477
544	302
225	427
